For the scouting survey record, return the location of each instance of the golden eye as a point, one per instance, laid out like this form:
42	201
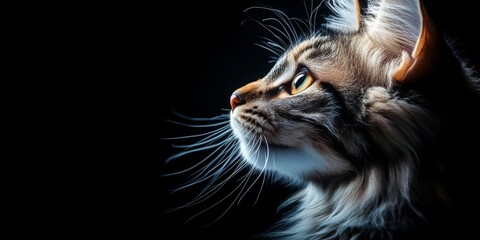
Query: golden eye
302	81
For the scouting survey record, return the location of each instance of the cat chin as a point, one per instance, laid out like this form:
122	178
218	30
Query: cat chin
294	162
288	161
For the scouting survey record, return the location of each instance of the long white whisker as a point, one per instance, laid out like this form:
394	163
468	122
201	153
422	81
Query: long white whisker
286	22
273	44
285	33
300	23
196	135
263	170
204	172
231	157
227	142
212	190
282	16
310	16
266	27
277	54
213	137
178	155
216	118
221	200
257	146
208	139
198	126
306	10
315	14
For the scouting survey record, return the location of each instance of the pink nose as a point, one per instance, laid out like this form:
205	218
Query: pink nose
235	101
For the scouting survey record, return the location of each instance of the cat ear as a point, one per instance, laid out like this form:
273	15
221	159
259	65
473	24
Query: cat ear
404	29
346	15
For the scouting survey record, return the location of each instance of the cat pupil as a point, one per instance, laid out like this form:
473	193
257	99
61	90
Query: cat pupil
299	81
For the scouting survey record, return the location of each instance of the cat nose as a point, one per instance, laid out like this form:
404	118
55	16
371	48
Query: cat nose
236	100
244	94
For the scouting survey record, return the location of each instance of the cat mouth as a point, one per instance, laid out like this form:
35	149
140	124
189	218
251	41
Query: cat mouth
255	136
259	140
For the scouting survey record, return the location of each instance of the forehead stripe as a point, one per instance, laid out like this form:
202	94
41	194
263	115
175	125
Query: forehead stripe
282	66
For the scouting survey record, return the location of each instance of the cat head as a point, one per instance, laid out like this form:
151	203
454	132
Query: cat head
336	103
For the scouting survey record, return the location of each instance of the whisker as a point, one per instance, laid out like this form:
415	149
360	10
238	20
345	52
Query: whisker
243	184
284	44
196	119
268	49
263	170
205	195
221	132
306	9
199	125
273	44
229	146
285	33
178	155
220	201
259	175
196	135
212	190
299	22
309	13
292	34
255	148
228	141
315	14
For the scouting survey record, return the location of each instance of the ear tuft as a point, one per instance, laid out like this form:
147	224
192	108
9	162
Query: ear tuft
346	16
394	24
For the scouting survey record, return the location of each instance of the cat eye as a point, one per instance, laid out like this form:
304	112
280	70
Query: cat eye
302	81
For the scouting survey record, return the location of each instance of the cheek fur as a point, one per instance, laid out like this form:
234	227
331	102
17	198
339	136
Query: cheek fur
290	145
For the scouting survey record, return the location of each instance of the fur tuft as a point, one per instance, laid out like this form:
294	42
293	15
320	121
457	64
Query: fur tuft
344	18
394	24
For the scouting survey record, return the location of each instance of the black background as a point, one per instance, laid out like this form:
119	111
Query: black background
188	57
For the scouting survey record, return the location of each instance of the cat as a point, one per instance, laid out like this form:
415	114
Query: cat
373	115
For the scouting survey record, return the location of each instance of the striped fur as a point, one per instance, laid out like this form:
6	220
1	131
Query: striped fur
376	155
364	145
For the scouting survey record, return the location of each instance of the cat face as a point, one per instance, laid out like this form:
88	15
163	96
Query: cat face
288	121
308	116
